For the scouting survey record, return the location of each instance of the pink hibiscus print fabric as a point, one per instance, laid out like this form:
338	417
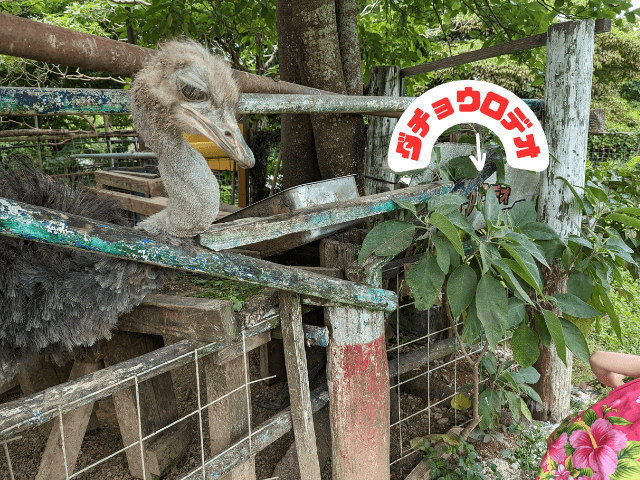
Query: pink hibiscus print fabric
600	443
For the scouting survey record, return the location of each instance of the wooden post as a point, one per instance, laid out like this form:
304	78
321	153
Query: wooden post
75	425
384	81
358	378
158	408
567	99
298	377
229	417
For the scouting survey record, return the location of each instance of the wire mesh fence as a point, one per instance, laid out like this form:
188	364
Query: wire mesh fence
70	153
420	406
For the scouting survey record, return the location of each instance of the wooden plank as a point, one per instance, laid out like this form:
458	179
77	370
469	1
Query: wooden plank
130	182
298	378
134	203
63	229
75	425
527	43
203	319
229	417
265	435
43	406
158	407
235	350
224	236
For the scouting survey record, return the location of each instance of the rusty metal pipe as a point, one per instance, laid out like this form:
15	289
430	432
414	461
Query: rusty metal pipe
20	37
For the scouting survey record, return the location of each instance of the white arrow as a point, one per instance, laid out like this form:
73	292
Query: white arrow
481	158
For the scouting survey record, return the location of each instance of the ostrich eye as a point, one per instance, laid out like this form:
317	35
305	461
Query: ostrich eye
191	92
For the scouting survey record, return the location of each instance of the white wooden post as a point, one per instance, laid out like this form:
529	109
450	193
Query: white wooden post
384	81
567	103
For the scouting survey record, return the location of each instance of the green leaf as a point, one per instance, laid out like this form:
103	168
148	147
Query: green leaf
624	219
405	205
472	325
516	312
575	340
491	209
524	344
628	210
443	253
557	335
529	374
528	268
461	287
610	310
425	279
525	410
580	241
460	221
542	330
462	167
530	247
514	404
539	231
460	402
523	213
575	307
448	229
511	280
589	417
619	421
492	309
446	199
387	239
575	194
527	390
580	285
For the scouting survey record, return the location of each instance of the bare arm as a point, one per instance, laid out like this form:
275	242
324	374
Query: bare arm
611	367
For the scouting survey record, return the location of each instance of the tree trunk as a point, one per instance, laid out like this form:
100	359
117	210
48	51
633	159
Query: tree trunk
330	60
567	100
297	147
384	81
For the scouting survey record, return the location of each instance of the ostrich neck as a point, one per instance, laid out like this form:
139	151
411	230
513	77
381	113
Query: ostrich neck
187	178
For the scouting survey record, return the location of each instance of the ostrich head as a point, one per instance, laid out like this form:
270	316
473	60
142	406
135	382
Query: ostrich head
184	88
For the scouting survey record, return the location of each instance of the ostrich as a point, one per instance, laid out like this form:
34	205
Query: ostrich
57	301
185	89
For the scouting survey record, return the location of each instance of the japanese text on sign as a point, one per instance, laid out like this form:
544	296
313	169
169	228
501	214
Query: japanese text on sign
468	101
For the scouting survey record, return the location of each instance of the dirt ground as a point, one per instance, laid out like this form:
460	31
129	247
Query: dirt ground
416	420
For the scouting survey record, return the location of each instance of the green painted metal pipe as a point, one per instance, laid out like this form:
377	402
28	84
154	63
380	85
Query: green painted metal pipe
66	230
49	101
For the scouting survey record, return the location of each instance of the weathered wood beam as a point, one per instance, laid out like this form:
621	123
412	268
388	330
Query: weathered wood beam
52	227
228	235
263	436
527	43
77	101
41	407
203	319
298	379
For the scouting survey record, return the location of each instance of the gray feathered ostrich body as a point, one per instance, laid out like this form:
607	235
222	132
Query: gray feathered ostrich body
56	300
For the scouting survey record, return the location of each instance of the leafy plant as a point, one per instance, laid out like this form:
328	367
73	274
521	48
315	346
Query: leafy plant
495	284
237	292
452	458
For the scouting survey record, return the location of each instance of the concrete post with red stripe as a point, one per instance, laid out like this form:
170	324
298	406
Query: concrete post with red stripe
358	377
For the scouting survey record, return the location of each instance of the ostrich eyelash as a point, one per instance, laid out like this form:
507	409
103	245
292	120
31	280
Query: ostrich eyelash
190	92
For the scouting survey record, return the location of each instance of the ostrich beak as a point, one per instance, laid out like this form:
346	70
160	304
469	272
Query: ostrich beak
227	136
